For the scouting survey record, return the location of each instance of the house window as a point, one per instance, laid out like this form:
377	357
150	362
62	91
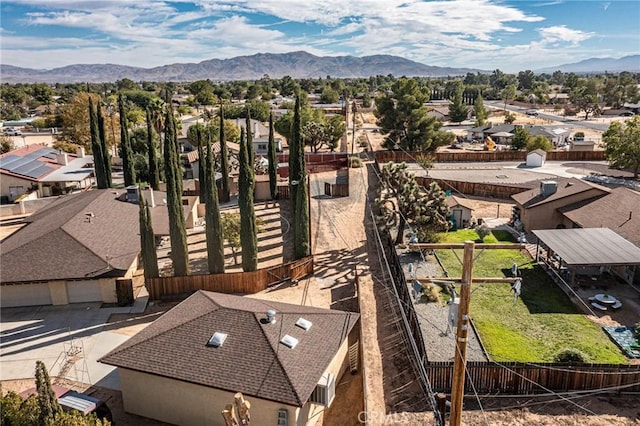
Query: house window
262	147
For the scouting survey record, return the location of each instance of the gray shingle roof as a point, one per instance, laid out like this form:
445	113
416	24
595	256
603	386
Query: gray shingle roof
566	187
59	242
252	360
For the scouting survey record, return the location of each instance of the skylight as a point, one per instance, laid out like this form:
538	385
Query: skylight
303	323
289	341
217	339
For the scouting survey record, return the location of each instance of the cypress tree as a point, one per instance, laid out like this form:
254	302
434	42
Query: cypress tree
125	147
273	161
248	232
147	241
299	192
173	177
96	147
294	161
47	401
224	163
202	181
213	221
250	153
154	173
302	242
106	155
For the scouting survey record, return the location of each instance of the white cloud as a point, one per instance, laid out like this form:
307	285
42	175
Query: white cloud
561	33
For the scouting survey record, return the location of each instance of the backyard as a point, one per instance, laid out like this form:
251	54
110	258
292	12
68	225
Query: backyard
537	326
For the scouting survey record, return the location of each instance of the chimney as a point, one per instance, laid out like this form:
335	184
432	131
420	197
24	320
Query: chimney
62	158
80	152
152	200
271	316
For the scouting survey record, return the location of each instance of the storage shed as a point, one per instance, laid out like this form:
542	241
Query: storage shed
536	158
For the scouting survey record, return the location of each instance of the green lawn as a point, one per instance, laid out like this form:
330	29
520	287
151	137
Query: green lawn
541	323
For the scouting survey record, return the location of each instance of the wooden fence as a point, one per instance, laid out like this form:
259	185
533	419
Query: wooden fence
521	379
478	189
232	282
486	156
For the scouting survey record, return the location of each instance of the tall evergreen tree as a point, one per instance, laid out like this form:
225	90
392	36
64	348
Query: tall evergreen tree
147	241
294	162
250	153
96	147
154	172
213	221
47	401
202	181
457	109
301	237
224	159
125	147
173	177
479	110
298	189
106	155
248	232
273	161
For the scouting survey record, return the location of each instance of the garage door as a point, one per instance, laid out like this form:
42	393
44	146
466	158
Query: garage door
24	295
84	291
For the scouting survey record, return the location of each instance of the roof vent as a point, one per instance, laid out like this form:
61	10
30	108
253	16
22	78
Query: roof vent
303	323
289	341
217	339
271	316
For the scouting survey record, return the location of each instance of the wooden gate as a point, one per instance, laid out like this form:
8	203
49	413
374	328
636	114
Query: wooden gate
301	268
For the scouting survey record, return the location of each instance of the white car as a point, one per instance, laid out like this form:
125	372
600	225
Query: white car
12	132
532	112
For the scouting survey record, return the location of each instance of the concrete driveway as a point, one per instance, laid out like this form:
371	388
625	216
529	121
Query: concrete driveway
69	337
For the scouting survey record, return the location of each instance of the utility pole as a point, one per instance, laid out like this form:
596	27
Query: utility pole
460	358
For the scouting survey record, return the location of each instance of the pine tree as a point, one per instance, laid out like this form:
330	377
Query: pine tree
213	224
273	161
458	111
96	147
250	153
173	177
125	147
147	241
47	401
479	110
106	155
154	173
248	232
224	162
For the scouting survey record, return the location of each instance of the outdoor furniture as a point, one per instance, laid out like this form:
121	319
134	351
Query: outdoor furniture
617	305
605	299
598	306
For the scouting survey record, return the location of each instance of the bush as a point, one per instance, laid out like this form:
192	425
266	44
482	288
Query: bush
355	162
483	231
570	355
636	331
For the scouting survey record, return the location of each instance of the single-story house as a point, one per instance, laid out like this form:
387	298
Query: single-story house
536	158
187	365
72	250
582	145
618	210
461	210
45	171
540	208
503	133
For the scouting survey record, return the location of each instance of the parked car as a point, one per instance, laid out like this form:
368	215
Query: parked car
12	132
626	114
532	112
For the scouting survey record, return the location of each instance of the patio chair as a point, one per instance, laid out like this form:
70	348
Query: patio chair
598	306
617	305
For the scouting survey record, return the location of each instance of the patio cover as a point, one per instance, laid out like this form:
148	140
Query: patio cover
590	246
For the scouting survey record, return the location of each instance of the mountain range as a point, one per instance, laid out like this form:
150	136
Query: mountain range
293	64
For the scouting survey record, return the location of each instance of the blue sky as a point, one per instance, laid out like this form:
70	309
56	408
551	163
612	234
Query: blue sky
484	34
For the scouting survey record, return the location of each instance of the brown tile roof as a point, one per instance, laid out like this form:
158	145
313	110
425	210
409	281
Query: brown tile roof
566	188
251	360
60	243
619	211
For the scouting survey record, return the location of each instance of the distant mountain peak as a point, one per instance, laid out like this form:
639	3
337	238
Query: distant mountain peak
598	65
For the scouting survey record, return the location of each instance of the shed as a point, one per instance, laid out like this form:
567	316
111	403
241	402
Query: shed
461	210
536	158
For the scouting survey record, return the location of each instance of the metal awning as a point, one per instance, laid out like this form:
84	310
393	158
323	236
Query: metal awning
590	246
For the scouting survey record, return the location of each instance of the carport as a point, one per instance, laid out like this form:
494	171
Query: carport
587	251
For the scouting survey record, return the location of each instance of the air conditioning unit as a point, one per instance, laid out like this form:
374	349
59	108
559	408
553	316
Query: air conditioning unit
325	390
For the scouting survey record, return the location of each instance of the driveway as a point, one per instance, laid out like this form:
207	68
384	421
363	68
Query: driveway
70	337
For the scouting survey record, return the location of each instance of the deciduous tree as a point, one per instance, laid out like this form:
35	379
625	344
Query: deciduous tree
622	144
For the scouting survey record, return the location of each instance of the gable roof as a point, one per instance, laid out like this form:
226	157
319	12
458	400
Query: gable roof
453	201
566	188
251	360
59	242
541	152
618	210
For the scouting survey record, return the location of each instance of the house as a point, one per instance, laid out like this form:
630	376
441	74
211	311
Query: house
461	210
540	208
536	158
187	365
503	133
618	210
72	250
260	135
579	144
43	171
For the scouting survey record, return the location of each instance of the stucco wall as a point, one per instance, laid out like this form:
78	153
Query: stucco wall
58	291
108	290
183	403
7	181
546	216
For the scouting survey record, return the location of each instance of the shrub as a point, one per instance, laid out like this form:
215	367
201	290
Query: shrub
355	162
570	355
636	331
483	231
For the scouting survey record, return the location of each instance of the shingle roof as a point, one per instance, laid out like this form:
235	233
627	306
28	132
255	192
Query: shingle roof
566	187
59	241
453	201
619	210
251	360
